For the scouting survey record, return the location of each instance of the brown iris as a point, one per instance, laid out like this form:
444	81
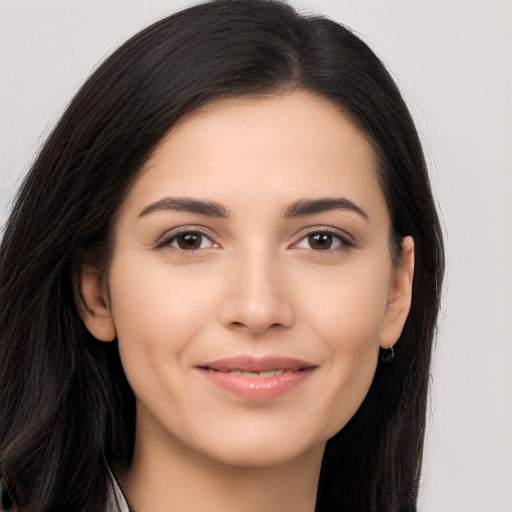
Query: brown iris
320	241
189	241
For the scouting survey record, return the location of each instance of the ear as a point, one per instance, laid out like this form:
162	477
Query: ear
92	302
399	297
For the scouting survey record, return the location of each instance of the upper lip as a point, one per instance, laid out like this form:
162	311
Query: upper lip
257	364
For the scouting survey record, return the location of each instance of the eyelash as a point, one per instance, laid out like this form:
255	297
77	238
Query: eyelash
344	242
168	241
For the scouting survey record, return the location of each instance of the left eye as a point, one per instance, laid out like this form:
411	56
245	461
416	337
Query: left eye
322	241
190	241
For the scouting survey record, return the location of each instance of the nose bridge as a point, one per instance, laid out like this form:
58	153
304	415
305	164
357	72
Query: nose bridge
257	296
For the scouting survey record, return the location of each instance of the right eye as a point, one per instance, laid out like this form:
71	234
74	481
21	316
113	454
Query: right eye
189	241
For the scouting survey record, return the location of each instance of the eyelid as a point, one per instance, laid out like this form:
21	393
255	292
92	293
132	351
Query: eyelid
166	239
346	239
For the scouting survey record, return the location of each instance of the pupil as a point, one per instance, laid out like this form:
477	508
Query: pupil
189	241
320	241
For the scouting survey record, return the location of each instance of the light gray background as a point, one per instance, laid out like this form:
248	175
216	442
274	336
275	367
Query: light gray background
453	62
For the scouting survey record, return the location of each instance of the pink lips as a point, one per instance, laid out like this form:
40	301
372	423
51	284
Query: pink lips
238	375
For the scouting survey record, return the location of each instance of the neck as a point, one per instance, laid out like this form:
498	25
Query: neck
171	477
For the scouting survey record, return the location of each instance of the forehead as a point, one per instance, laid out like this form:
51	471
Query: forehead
278	148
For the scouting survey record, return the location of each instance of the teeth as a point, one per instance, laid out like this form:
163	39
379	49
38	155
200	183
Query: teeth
256	375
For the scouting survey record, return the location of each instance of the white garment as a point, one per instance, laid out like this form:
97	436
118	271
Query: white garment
116	502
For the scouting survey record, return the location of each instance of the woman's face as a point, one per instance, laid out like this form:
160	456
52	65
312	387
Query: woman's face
251	283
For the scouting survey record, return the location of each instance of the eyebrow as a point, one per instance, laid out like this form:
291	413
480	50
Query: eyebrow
187	204
300	208
305	207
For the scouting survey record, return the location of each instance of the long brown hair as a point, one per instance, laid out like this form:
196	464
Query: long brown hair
66	410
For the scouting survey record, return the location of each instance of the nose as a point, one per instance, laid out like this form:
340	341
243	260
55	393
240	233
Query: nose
257	295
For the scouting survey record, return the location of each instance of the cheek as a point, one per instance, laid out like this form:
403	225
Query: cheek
156	313
347	304
345	310
156	302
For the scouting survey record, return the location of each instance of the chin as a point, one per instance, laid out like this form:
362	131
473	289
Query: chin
260	453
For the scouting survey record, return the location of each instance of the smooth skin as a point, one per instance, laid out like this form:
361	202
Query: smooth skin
257	273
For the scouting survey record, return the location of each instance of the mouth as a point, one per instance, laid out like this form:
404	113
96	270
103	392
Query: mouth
257	378
254	375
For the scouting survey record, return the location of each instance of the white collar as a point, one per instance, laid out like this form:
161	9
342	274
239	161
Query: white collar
116	500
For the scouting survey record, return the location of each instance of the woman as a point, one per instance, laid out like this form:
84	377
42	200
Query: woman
230	223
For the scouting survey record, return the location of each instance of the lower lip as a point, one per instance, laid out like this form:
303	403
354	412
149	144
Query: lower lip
258	388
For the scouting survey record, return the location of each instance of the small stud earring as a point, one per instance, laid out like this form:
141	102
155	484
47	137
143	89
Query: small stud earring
387	355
